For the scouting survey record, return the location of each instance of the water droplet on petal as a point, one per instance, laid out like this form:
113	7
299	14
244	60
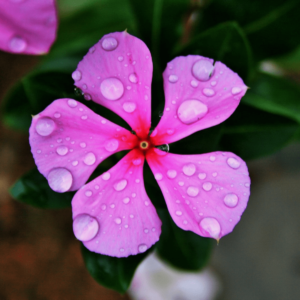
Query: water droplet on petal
60	180
88	193
57	115
189	169
129	107
208	92
192	191
137	161
194	83
158	176
75	163
87	97
213	83
202	69
82	145
17	44
236	90
202	175
72	103
112	145
76	75
103	207
207	186
109	44
212	158
178	213
119	186
231	200
118	221
172	174
170	131
62	150
133	78
45	126
126	200
85	227
90	159
173	78
106	176
211	226
191	111
120	58
233	163
112	88
142	248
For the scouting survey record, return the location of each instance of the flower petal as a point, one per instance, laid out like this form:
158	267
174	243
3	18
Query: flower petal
117	74
68	141
194	99
27	26
205	193
113	215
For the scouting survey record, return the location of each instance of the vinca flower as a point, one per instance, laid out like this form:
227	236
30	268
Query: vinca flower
112	214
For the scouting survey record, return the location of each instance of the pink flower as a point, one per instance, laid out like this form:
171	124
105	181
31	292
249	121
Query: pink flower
27	26
112	215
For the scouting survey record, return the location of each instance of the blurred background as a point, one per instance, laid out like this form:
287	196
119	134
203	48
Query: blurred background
40	258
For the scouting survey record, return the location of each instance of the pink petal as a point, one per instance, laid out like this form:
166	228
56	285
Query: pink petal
117	74
194	100
27	26
205	193
113	214
68	141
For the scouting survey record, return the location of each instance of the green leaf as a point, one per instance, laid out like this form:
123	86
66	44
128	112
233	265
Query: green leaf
112	272
33	189
252	133
275	95
226	43
182	249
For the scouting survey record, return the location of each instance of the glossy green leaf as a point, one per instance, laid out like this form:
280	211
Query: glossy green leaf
33	189
226	43
112	272
252	133
275	95
182	249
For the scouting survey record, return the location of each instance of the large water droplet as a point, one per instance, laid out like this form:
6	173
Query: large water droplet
207	186
133	78
202	69
191	111
85	227
109	44
189	169
173	78
129	107
211	226
45	126
111	145
192	191
142	248
172	173
231	200
62	150
112	88
119	186
89	159
72	103
17	44
233	163
60	180
76	75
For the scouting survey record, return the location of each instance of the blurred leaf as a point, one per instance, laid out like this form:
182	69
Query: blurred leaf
33	189
252	133
182	249
226	43
112	272
275	95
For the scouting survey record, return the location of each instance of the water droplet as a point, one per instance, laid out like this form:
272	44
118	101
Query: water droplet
213	83
57	115
87	97
75	163
131	216
137	161
212	158
192	191
119	186
17	44
112	88
191	111
62	150
129	107
173	78
45	126
146	230
194	83
72	103
60	180
236	90
89	159
120	58
142	248
202	69
207	186
211	226
109	44
208	92
231	200
202	175
126	200
112	206
189	169
170	131
158	176
178	213
137	181
214	174
181	183
103	121
76	75
233	163
133	78
88	193
172	174
112	145
118	221
106	176
84	86
103	207
38	151
85	227
92	49
133	195
82	145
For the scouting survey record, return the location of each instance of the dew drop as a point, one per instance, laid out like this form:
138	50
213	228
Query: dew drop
158	176
172	173
109	44
112	206
191	111
202	175
207	186
236	90
76	75
17	44
129	107
173	78
88	193
211	226
45	126
192	191
119	186
137	161
212	158
194	83
178	213
118	221
112	88
87	97
233	163
120	58
181	183
57	115
85	227
189	169
202	69
214	174
170	131
142	248
106	176
60	180
126	200
112	145
62	150
231	200
213	83
82	145
75	163
133	78
72	103
89	159
208	92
